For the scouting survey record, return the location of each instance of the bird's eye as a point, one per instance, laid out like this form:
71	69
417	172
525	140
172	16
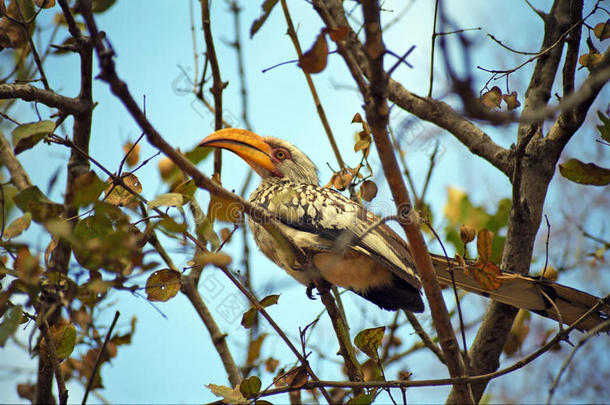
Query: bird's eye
280	154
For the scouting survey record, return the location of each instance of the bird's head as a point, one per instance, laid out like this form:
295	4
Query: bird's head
268	156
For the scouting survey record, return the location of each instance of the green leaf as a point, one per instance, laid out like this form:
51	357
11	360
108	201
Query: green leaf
9	324
27	8
99	6
248	318
26	136
87	189
91	232
205	231
67	342
169	225
167	200
369	340
9	191
604	130
187	189
585	173
258	23
197	154
250	386
270	300
32	200
163	285
17	227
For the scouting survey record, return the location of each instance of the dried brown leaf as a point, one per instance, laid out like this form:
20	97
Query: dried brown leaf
314	60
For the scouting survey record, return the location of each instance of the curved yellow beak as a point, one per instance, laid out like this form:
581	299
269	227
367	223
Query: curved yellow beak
249	146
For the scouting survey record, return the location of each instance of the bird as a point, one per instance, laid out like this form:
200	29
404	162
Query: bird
348	246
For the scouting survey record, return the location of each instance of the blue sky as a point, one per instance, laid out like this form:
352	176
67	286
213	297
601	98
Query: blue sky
171	358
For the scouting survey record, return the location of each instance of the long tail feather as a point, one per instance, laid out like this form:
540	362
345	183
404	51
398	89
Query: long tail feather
546	298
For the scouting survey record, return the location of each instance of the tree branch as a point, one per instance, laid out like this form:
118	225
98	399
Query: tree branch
218	338
426	108
120	90
377	113
19	176
217	84
321	113
570	119
49	98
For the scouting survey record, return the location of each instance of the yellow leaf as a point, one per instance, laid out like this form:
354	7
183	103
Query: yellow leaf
217	259
369	340
484	244
452	210
163	285
511	100
492	98
590	59
117	195
602	30
134	153
18	226
518	333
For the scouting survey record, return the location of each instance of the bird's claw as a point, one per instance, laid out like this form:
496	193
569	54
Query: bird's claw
309	291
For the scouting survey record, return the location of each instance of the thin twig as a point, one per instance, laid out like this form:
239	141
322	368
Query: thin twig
119	88
295	41
432	46
25	26
377	113
353	370
546	246
236	9
217	84
451	381
509	48
99	357
218	338
426	340
567	360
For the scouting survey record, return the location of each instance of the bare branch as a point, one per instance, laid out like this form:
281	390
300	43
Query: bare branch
346	350
217	84
377	113
119	88
321	113
572	116
428	109
19	176
99	356
218	338
49	98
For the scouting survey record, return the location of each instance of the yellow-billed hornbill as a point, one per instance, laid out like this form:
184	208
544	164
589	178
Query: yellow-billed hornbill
376	263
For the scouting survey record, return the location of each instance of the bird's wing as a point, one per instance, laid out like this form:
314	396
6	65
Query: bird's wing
330	216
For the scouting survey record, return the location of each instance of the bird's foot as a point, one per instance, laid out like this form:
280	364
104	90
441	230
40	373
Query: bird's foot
309	291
